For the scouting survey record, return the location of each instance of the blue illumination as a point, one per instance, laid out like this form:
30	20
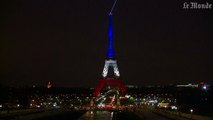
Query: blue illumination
110	52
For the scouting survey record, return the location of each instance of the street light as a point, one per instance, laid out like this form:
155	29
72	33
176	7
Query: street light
191	110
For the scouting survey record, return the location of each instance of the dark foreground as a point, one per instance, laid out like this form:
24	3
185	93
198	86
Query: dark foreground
69	115
93	115
147	113
104	115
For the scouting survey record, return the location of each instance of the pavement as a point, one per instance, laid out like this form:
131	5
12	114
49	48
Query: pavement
143	114
147	114
97	115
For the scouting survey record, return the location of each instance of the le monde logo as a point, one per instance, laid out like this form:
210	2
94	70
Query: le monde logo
196	5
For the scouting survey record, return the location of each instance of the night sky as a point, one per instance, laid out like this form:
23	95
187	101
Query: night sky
157	42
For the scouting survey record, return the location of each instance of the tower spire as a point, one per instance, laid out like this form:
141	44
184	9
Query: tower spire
110	51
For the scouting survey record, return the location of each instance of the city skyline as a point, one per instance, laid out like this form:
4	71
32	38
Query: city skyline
65	42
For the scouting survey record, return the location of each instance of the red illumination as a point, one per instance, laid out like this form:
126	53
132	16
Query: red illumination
49	85
105	82
201	83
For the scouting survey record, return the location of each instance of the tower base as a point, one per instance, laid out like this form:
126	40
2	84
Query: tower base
109	82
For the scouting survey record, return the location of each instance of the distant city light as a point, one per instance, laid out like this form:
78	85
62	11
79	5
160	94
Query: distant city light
101	105
205	87
49	85
191	110
127	96
188	85
38	106
173	107
111	114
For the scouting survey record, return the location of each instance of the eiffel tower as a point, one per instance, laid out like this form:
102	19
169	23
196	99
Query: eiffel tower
110	63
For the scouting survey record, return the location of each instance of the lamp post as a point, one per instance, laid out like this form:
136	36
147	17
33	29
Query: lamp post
191	111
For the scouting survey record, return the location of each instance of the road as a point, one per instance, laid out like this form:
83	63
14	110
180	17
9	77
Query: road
122	115
97	115
148	115
144	113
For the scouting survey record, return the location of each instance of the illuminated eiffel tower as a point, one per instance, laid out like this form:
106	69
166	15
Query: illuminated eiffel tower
110	63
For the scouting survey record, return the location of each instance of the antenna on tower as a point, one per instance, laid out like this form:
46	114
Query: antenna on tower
110	13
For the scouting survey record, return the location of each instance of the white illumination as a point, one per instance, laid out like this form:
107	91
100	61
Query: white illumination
127	96
112	114
110	63
173	107
38	106
54	104
101	105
